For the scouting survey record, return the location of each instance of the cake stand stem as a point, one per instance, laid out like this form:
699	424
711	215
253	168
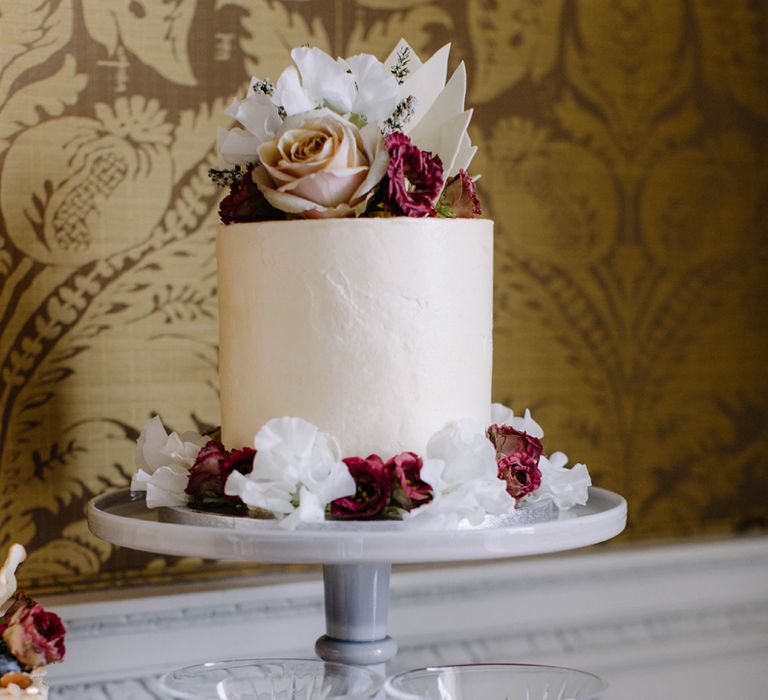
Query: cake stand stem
356	610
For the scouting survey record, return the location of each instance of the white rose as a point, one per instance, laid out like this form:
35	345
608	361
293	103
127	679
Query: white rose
321	165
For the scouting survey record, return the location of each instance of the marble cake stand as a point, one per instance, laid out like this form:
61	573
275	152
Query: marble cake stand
356	560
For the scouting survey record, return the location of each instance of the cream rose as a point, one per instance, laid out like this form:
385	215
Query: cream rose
321	165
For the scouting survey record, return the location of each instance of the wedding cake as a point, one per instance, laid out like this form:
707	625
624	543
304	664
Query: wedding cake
378	331
355	313
30	636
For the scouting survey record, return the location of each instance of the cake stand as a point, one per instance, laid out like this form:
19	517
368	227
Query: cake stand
356	557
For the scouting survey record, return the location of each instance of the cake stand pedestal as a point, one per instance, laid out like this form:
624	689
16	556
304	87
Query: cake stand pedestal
356	557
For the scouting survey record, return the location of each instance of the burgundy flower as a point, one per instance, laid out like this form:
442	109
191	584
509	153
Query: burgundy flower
517	455
212	467
459	197
373	491
408	490
245	203
509	441
34	636
521	474
414	178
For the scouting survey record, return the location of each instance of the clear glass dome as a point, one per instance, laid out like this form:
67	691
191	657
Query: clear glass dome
494	682
271	679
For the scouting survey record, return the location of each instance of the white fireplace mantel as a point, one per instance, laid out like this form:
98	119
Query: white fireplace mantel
681	620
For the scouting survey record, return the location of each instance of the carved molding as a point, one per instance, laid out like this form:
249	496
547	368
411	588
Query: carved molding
613	612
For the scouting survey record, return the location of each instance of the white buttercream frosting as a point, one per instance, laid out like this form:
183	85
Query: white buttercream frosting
378	331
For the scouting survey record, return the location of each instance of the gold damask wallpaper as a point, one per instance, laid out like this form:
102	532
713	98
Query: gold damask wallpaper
623	147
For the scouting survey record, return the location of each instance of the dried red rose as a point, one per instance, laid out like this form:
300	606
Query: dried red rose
517	455
521	474
212	467
34	636
414	178
245	202
408	490
459	197
509	441
373	490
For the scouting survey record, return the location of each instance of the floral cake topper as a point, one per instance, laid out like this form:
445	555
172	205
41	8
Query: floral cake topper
350	137
295	473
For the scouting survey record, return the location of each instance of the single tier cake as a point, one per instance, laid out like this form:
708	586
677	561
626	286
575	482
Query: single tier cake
377	330
355	313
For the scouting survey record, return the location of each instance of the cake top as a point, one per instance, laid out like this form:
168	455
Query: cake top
350	137
30	636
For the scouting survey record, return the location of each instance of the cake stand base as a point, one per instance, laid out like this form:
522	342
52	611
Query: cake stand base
356	610
356	557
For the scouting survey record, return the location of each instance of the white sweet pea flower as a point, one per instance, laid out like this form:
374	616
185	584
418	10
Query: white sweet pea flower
461	469
316	81
565	487
297	471
164	487
377	92
163	463
466	451
502	415
258	114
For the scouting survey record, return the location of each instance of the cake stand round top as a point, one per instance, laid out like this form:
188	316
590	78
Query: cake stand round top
121	519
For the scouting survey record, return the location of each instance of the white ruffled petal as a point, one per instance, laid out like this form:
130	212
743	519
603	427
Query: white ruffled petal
334	482
503	415
289	93
377	90
466	451
257	114
166	487
325	81
273	496
564	487
155	448
283	445
151	440
237	146
526	424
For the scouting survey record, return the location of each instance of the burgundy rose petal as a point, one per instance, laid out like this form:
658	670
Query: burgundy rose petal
373	490
212	467
460	197
509	441
414	177
204	475
34	636
245	202
408	489
521	475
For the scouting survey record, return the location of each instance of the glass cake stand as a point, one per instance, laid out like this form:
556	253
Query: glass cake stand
356	557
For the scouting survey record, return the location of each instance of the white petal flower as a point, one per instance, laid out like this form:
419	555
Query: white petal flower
461	469
289	93
466	451
565	487
156	450
297	471
273	495
377	92
261	120
502	415
165	486
324	83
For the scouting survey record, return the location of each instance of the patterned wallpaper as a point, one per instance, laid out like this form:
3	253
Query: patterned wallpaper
623	148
